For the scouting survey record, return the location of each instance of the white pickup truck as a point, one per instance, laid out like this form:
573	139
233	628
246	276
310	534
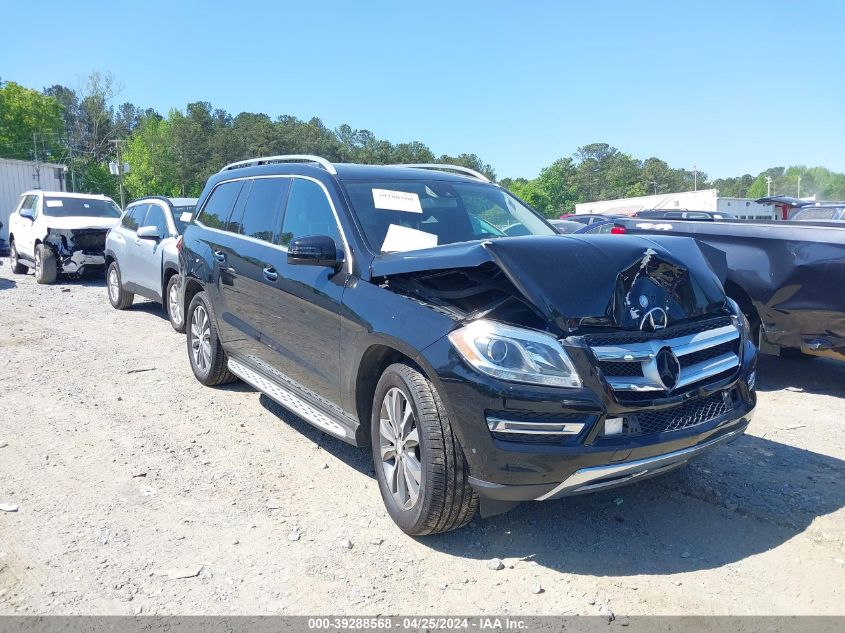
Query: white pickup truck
56	232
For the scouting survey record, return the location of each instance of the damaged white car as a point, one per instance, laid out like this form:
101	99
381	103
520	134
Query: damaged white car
56	232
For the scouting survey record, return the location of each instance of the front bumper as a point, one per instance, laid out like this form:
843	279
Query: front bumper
78	261
513	470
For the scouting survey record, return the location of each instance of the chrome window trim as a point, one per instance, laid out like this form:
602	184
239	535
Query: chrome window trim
347	251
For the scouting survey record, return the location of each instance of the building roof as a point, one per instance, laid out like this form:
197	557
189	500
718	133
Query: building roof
32	163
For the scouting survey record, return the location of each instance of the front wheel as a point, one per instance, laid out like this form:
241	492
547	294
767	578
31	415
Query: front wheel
420	466
46	267
207	356
173	305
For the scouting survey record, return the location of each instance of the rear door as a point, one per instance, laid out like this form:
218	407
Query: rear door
258	222
128	261
222	245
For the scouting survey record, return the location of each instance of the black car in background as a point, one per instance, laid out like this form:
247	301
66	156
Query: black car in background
684	214
391	307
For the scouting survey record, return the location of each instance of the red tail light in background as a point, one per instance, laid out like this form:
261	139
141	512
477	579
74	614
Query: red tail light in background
616	230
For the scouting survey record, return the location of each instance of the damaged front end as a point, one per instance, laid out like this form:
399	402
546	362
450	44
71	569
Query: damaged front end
578	363
77	250
563	285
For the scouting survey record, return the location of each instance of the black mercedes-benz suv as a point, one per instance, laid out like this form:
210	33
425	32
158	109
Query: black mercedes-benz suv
485	359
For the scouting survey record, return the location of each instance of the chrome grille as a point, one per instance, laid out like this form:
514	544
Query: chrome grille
704	350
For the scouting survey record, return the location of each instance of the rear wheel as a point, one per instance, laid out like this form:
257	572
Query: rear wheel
118	297
173	305
14	262
46	267
207	356
420	466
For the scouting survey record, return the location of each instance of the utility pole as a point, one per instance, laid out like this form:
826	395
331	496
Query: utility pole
37	164
799	186
768	185
695	177
117	143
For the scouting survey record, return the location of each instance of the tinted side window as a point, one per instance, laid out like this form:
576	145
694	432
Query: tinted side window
155	217
219	204
308	213
134	216
263	208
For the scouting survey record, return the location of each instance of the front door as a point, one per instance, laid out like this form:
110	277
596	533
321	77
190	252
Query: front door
301	314
149	253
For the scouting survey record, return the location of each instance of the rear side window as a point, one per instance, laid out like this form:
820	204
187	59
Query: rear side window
155	217
219	205
263	208
308	212
134	217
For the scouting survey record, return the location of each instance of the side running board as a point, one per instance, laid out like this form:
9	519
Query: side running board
290	401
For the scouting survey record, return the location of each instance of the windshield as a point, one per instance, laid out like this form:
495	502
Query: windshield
178	213
408	215
88	207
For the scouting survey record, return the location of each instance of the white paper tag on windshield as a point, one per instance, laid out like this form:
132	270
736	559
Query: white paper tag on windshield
54	203
403	238
186	216
396	200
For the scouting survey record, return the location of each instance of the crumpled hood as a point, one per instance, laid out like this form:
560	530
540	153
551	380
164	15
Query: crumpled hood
593	280
79	222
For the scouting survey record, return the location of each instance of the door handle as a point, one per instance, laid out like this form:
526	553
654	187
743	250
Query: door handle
270	274
220	256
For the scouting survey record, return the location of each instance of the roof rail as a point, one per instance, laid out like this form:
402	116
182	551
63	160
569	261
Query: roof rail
264	160
444	167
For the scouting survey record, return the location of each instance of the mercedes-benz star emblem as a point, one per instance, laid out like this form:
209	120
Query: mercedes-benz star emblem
655	319
668	368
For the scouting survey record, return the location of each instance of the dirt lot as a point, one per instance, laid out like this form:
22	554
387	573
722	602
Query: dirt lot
128	474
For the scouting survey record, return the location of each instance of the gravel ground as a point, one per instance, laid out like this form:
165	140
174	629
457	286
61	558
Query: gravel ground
141	491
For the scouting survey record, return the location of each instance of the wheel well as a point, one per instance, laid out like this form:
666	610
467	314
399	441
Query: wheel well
109	260
373	363
168	273
192	287
735	292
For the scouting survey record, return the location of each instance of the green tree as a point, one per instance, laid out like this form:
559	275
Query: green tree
29	122
150	157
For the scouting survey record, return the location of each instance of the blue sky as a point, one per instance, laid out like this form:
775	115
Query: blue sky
714	83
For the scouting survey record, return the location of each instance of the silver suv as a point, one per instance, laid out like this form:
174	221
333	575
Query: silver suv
141	255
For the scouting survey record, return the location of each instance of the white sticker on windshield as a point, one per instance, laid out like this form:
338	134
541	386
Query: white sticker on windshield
396	201
403	238
186	216
54	203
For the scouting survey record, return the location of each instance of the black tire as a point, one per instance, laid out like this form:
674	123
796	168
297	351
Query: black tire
14	262
177	318
46	267
209	368
118	297
446	501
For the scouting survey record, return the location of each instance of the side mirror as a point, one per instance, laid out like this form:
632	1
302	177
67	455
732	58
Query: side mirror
149	233
314	250
27	213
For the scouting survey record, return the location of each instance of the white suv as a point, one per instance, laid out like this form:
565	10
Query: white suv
58	232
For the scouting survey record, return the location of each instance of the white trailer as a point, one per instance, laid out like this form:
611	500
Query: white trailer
701	200
17	176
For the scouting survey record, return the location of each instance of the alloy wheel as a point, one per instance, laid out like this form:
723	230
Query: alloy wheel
173	306
114	286
39	265
201	339
400	448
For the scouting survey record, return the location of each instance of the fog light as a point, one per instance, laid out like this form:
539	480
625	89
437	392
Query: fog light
752	379
613	426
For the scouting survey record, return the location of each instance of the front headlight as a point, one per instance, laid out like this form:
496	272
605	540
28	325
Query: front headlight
516	354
